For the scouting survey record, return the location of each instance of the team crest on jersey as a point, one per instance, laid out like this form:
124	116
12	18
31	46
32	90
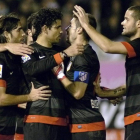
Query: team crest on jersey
94	103
81	76
69	66
1	66
25	58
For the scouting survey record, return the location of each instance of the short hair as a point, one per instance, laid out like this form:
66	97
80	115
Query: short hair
92	22
46	17
136	11
30	20
7	23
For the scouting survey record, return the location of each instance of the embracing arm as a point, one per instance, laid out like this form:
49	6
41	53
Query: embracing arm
110	93
16	48
35	94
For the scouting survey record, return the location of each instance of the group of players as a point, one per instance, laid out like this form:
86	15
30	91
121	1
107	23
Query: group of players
61	86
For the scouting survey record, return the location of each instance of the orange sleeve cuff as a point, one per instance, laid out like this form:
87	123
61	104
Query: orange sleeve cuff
2	83
130	49
58	58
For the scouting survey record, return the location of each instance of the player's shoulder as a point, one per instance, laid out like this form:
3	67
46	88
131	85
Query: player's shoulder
2	56
89	51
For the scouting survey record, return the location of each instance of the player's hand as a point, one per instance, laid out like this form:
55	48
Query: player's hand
81	15
19	49
41	93
116	100
59	71
75	49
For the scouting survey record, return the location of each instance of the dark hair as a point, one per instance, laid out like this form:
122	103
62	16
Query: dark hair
30	20
45	17
7	23
136	11
92	22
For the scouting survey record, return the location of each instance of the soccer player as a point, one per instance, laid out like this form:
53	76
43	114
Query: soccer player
11	76
131	29
85	120
19	134
47	119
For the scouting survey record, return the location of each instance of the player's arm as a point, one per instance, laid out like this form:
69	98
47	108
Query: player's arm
103	42
34	66
77	87
35	94
108	93
16	48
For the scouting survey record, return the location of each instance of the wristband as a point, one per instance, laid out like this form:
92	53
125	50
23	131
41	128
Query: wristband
61	76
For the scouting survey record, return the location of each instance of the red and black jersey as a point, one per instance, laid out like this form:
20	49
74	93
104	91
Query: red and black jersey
132	105
11	77
38	67
84	113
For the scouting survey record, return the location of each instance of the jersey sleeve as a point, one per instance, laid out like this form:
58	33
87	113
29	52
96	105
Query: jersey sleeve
83	66
86	62
133	48
33	65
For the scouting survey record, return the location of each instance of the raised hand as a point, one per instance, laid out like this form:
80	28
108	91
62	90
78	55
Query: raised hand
81	15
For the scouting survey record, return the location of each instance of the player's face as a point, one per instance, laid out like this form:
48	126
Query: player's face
129	24
71	31
54	34
17	35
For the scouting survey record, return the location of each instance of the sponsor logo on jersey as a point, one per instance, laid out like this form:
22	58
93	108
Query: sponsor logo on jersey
25	58
1	66
40	57
79	126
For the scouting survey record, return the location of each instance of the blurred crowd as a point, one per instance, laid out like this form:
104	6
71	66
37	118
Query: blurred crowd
108	13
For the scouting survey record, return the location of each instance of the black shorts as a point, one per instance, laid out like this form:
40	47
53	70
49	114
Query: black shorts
94	135
132	131
19	120
39	131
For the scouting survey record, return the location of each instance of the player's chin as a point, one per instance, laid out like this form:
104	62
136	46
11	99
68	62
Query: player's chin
123	33
57	40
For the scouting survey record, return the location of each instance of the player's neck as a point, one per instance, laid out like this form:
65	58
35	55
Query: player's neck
44	42
81	41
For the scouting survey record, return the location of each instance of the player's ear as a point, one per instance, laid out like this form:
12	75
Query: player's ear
45	29
138	23
7	35
29	32
79	30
